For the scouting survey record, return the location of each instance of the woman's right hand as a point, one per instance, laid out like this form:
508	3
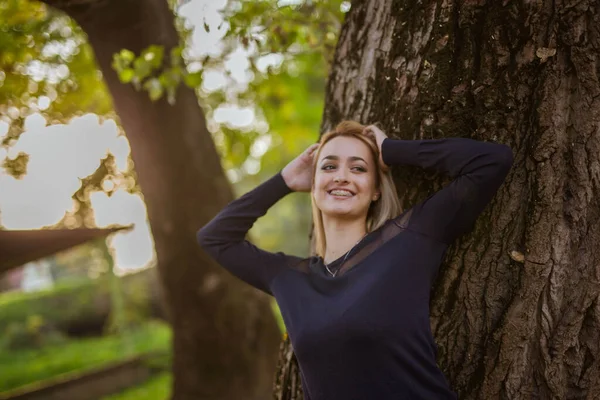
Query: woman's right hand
298	173
378	136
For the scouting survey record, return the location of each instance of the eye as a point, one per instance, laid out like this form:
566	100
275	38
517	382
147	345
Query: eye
327	167
359	168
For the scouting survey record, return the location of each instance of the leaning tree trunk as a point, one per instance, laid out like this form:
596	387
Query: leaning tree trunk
516	307
225	338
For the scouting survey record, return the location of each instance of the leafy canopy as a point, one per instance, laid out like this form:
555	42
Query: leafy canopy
47	67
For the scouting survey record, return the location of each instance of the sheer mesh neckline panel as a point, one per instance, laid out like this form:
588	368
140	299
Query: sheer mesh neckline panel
373	241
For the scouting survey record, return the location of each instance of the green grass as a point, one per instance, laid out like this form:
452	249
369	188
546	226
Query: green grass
22	367
156	388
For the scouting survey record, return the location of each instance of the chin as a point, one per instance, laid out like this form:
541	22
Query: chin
342	212
341	208
337	213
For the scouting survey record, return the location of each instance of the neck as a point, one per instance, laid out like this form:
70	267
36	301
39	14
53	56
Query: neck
341	236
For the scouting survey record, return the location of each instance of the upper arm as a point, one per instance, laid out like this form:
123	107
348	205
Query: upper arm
224	237
253	265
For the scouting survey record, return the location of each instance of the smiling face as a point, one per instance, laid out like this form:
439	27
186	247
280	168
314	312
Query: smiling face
345	181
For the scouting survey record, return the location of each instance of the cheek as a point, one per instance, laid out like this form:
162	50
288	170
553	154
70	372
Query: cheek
319	181
317	189
367	184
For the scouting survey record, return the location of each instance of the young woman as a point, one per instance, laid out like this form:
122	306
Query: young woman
357	312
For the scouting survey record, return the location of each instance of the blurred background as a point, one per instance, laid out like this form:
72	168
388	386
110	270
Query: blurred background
81	303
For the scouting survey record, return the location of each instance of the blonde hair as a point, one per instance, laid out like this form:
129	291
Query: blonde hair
386	207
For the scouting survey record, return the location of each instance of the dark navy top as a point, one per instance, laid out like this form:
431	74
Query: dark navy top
365	334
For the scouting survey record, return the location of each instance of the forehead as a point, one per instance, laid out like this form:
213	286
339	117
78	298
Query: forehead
343	146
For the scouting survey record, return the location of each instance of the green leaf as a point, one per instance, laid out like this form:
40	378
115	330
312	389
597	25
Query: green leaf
154	88
142	68
176	55
170	79
153	55
193	80
126	75
127	56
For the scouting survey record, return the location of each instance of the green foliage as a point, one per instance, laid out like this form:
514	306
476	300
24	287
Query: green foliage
23	367
17	166
278	316
58	306
308	26
45	66
288	96
32	332
72	301
155	388
106	178
150	71
48	67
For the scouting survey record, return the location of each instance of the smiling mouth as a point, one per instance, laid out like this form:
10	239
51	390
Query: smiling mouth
340	193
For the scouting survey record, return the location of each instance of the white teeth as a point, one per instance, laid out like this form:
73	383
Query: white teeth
341	193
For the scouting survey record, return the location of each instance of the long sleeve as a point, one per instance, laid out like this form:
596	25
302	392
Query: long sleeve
478	169
223	238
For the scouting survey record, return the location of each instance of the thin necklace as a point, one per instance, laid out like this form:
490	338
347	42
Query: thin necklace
333	274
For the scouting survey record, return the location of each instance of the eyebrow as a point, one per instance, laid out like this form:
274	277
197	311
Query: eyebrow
336	158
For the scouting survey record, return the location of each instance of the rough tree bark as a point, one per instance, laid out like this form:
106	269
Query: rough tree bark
225	338
516	307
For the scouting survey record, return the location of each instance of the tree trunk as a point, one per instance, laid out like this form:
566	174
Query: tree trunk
225	338
516	307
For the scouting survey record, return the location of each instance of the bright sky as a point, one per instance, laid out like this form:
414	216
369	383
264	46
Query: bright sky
62	154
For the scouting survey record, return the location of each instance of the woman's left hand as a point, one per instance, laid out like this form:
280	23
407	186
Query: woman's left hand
379	136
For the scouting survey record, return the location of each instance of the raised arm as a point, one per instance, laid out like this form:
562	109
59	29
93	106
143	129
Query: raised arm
224	237
477	168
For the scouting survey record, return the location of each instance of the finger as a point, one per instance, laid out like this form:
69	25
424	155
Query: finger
375	129
369	134
313	149
370	131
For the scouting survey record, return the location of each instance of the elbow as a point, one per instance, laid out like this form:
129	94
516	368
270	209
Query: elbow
208	242
211	240
203	237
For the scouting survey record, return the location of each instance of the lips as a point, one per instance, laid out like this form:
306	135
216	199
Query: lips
341	192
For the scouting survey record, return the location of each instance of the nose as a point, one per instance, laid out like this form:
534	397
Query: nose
340	177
